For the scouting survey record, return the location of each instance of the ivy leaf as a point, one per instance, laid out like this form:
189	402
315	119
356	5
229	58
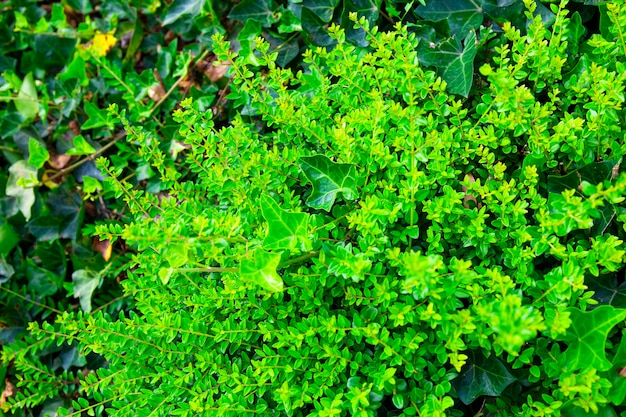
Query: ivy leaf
454	62
363	8
607	290
26	103
81	147
97	117
21	176
586	337
617	395
261	269
323	9
259	10
328	179
482	376
85	282
286	229
37	154
180	8
461	15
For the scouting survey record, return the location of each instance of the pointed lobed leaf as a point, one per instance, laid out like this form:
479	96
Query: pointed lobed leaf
26	103
21	176
328	179
259	10
461	15
85	283
454	62
286	230
586	337
323	9
482	376
261	269
180	8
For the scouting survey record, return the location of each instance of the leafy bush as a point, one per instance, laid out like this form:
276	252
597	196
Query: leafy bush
360	241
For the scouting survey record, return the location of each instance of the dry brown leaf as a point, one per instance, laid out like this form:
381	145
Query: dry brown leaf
156	92
469	197
59	162
104	247
622	372
216	72
9	390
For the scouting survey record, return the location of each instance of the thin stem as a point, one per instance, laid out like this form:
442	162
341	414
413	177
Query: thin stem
18	295
91	157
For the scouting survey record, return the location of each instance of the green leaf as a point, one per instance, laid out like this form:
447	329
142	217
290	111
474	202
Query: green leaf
363	8
286	230
85	282
8	238
607	290
81	147
617	395
75	70
176	254
83	6
53	51
482	376
586	337
97	117
461	15
261	269
179	8
454	62
328	179
37	154
27	104
42	281
22	176
259	10
323	9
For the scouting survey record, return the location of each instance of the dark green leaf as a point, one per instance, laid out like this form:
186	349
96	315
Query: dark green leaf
85	283
586	337
83	6
42	281
53	51
286	230
44	227
328	179
454	62
182	8
461	15
323	9
482	376
313	26
259	10
8	238
607	291
261	269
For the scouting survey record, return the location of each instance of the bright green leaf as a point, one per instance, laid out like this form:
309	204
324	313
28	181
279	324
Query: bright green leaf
328	179
37	154
261	269
81	147
618	390
176	254
260	10
22	176
482	376
85	282
97	117
75	70
586	336
180	8
286	230
27	103
454	62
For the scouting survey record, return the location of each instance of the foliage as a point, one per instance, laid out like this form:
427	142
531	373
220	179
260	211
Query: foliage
356	241
361	241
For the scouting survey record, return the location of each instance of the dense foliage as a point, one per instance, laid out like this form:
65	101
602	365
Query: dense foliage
371	227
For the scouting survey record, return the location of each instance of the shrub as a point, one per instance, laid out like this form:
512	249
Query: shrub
362	242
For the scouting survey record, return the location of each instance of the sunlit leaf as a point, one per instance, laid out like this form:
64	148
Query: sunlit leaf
261	269
38	155
26	102
328	179
85	282
286	230
586	337
22	176
81	147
